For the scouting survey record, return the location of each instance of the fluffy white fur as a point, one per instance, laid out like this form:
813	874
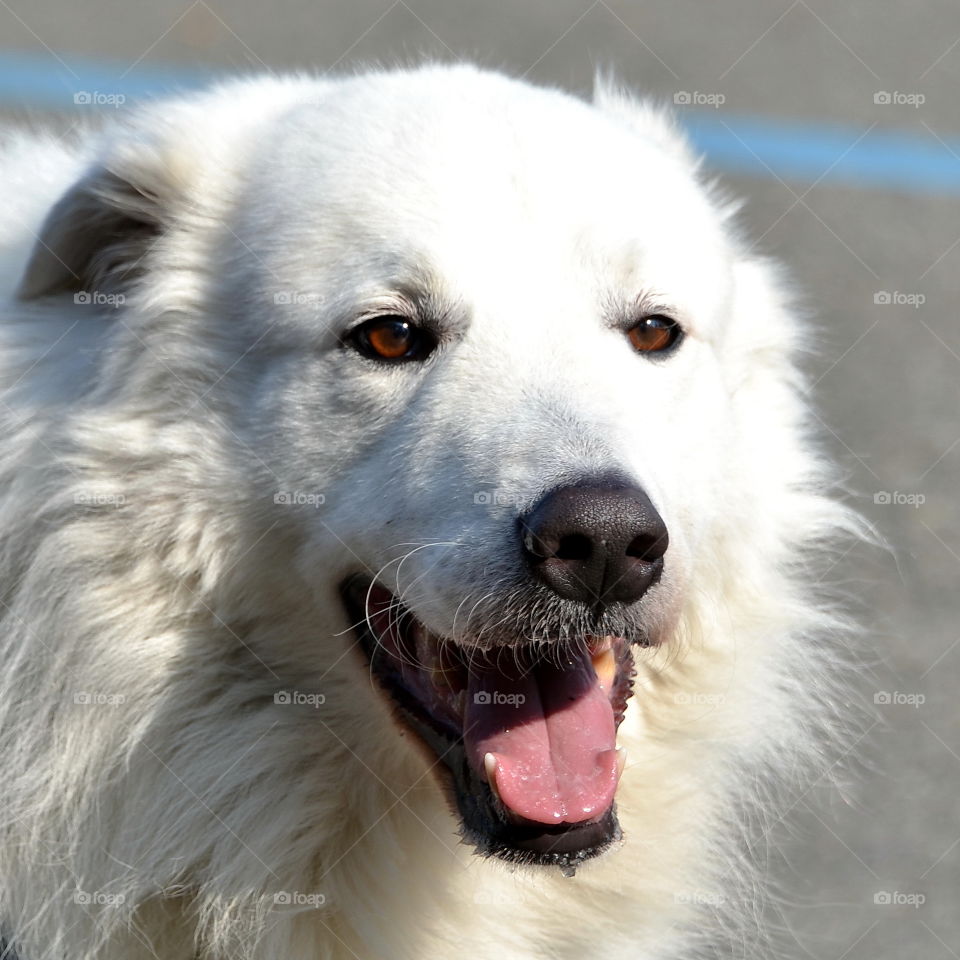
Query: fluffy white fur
157	802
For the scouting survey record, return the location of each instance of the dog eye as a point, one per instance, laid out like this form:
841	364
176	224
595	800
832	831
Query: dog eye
391	338
654	334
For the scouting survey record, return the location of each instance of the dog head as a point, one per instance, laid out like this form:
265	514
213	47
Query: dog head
492	369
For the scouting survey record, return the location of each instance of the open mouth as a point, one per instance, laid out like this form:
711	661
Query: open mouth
524	735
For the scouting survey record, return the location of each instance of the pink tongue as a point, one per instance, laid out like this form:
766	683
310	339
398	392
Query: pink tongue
553	735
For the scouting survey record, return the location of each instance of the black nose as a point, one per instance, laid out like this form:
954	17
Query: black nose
595	542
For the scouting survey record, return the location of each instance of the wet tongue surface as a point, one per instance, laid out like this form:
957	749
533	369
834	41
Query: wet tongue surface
552	732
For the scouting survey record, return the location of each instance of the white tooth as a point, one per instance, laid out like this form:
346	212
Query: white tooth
600	645
605	667
490	768
621	761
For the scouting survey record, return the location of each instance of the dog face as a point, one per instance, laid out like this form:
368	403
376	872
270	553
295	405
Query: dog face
474	338
525	257
495	318
526	250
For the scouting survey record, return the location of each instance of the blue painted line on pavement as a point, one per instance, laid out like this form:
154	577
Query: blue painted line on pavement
745	145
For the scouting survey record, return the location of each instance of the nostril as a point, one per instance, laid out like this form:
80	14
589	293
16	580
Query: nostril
647	548
574	546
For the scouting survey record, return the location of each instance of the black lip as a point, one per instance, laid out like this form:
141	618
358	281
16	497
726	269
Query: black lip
483	825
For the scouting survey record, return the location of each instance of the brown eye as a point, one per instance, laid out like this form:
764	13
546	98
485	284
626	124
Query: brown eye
654	334
391	338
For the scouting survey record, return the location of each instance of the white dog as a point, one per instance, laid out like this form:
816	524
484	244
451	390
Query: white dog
407	517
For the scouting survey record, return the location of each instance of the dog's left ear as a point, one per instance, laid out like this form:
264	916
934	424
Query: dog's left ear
98	235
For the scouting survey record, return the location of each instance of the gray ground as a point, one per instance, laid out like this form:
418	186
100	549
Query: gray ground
888	376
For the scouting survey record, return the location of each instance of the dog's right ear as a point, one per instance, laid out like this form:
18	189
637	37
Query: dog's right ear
651	121
98	234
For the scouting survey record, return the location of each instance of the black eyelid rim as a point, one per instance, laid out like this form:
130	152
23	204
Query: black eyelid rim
349	337
388	313
627	320
624	314
679	333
